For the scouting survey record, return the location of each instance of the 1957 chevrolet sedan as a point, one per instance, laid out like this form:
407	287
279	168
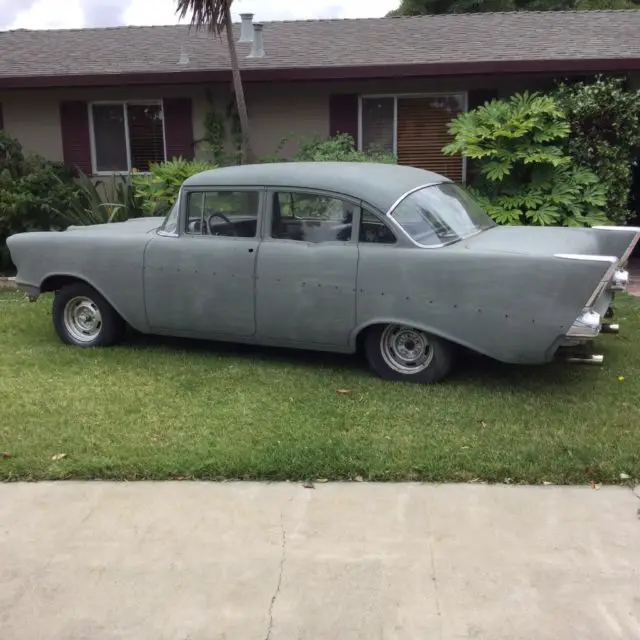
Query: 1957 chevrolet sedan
395	260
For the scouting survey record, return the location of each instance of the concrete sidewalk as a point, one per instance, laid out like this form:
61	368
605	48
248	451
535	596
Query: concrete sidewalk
250	561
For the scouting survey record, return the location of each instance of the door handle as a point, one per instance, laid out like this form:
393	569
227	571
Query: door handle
251	250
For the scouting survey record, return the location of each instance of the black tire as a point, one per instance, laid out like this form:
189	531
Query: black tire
439	359
111	326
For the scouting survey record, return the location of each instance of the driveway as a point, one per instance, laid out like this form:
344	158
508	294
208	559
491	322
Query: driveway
202	561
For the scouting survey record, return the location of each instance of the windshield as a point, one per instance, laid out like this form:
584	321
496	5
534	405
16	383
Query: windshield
170	224
441	214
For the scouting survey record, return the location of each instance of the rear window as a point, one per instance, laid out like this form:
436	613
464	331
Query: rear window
441	214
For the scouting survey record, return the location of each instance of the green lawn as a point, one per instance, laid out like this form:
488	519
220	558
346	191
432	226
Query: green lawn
157	408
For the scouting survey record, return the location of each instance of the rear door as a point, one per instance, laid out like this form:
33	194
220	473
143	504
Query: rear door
307	268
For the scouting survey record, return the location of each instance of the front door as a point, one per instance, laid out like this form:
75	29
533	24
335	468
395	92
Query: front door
307	269
203	281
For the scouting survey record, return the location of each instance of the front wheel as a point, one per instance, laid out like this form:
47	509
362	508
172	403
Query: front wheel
399	352
82	317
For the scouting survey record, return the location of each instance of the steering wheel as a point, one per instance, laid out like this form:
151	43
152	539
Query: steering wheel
220	215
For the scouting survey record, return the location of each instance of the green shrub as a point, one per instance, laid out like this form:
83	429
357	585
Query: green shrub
523	172
339	148
32	193
604	120
158	190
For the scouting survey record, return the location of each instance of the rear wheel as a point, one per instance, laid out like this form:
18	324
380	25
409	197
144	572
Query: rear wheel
82	317
400	352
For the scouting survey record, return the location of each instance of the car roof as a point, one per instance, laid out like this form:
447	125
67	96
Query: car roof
379	184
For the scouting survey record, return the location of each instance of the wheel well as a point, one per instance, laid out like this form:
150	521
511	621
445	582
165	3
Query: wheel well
362	334
55	283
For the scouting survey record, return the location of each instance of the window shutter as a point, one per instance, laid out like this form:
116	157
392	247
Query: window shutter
422	133
343	114
1	118
178	128
76	144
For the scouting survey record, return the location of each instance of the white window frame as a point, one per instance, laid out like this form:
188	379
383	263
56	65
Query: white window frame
440	94
123	104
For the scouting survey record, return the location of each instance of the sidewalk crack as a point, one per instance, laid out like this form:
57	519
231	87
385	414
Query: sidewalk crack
283	558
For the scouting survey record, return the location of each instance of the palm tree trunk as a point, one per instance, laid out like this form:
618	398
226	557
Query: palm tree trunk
248	155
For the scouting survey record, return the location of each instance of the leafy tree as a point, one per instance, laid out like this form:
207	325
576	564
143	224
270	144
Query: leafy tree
215	16
427	7
604	118
523	172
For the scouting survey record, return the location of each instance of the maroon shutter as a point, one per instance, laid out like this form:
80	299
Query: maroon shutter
1	118
76	144
178	128
343	114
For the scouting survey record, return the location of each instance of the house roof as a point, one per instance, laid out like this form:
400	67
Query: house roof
329	49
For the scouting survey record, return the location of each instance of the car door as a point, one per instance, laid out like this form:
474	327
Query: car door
202	279
307	268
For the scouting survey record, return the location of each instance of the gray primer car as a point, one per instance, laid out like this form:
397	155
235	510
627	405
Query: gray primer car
333	256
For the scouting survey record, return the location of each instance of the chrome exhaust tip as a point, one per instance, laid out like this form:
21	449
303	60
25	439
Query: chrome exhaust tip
595	358
610	328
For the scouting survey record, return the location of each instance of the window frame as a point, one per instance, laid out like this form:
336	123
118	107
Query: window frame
183	218
268	208
123	104
431	94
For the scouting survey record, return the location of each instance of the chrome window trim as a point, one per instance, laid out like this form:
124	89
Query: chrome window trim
397	225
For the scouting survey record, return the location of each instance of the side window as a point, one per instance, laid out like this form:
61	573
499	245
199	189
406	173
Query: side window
223	213
309	217
374	230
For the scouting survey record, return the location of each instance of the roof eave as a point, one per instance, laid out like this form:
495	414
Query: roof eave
590	65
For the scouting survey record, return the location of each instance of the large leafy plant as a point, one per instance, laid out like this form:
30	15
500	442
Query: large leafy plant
158	190
523	174
604	120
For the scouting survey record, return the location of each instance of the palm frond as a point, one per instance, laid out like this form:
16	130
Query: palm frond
205	14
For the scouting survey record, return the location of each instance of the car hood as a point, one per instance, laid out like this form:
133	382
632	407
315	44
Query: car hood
135	225
537	240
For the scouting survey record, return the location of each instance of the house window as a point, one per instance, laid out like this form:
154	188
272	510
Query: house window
414	128
126	136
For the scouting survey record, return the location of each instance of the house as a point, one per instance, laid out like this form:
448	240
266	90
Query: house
116	99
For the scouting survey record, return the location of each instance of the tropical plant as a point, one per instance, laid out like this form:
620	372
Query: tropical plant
157	191
101	201
32	192
339	148
215	16
604	119
523	174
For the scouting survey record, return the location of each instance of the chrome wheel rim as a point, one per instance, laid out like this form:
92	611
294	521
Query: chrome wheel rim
405	350
82	319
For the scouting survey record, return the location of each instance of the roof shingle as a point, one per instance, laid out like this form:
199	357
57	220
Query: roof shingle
441	39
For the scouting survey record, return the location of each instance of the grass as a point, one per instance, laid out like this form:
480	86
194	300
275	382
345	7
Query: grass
156	408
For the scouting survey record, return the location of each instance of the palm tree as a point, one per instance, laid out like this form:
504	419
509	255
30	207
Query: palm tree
215	16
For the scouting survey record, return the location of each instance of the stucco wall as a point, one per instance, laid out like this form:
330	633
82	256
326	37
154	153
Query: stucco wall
275	110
